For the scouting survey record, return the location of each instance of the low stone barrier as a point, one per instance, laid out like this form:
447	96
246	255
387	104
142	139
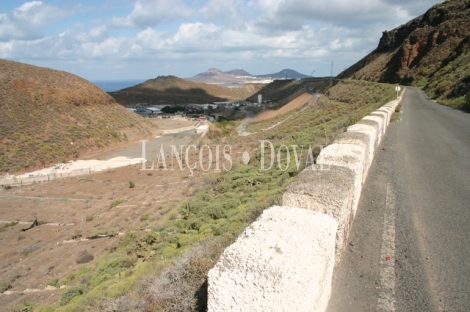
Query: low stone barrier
362	140
350	156
281	262
284	260
320	191
371	133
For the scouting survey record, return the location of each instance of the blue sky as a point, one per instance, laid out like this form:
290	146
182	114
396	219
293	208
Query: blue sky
143	39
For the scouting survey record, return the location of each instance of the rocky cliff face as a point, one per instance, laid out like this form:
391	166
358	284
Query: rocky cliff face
429	51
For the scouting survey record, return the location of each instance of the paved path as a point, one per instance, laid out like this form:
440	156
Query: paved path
409	245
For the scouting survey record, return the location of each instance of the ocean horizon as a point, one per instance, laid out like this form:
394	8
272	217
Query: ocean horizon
115	85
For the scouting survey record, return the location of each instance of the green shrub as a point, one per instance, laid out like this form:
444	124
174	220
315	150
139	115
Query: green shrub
128	241
4	286
45	309
116	203
69	293
108	268
131	184
466	106
10	224
53	282
84	257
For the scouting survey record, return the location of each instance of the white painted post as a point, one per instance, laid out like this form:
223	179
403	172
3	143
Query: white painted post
397	88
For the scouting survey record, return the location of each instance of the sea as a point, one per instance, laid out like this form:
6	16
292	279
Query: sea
115	85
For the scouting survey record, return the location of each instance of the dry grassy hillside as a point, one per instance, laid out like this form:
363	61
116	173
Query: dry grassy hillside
44	111
174	90
282	91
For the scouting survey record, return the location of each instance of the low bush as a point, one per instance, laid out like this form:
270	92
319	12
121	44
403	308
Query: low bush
9	224
116	203
84	257
4	286
69	293
466	106
45	309
109	267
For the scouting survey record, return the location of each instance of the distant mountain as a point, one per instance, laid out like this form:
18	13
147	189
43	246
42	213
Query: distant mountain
50	116
431	51
238	72
174	90
240	76
216	76
285	74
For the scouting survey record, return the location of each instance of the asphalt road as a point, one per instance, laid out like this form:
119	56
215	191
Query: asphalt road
409	246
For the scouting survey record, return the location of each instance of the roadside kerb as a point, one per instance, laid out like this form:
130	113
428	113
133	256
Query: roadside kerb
376	122
382	114
263	269
320	191
371	133
360	139
350	156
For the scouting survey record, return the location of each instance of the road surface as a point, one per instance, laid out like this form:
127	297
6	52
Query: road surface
409	246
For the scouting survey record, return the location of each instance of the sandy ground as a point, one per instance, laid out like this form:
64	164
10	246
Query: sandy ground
74	211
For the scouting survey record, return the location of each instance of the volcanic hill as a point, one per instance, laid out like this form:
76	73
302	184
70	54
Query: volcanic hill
431	51
49	116
174	90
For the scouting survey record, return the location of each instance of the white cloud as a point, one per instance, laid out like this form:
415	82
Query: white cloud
228	12
24	21
278	15
149	13
151	40
183	37
98	33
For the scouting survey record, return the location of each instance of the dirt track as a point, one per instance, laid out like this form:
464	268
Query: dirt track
296	103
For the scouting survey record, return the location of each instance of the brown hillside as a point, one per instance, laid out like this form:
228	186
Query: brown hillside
174	90
43	111
282	91
299	101
431	51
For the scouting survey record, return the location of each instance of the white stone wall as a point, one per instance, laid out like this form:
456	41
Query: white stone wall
284	261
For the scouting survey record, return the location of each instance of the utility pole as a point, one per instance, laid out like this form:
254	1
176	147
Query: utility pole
331	73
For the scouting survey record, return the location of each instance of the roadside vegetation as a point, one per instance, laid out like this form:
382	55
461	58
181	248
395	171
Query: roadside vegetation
447	85
165	269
